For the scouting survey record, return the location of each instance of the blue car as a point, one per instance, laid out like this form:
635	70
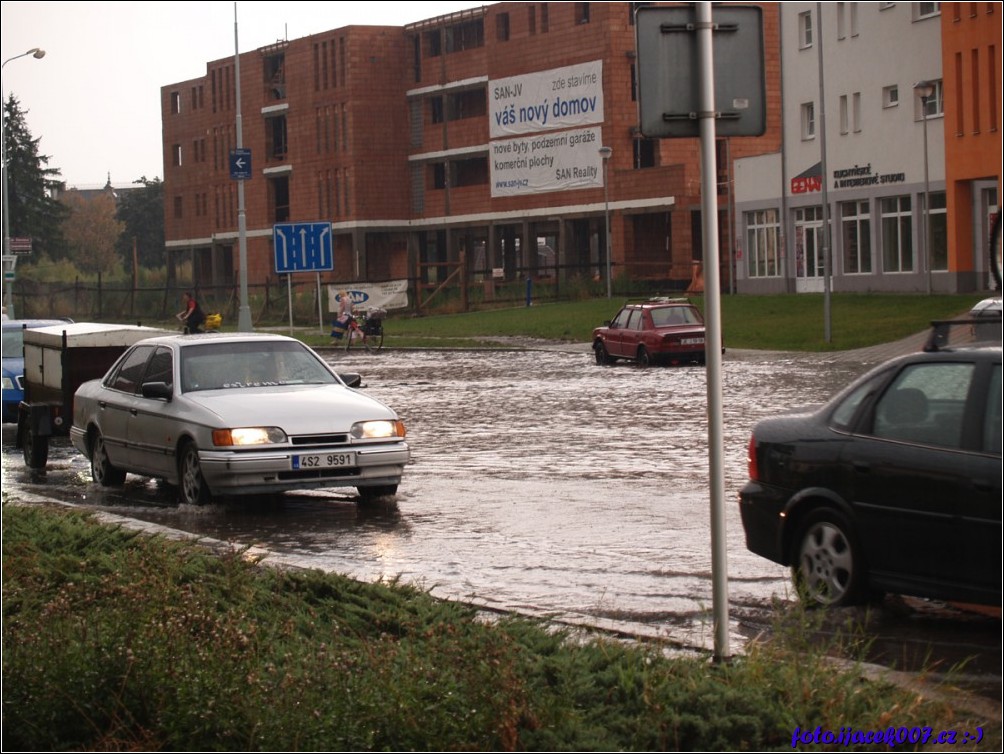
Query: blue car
13	361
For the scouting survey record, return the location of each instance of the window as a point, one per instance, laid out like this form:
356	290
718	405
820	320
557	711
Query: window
176	155
531	19
808	121
582	13
926	10
644	153
465	36
805	29
763	232
130	373
161	367
178	207
275	134
275	75
925	404
544	20
175	103
856	112
433	43
855	233
854	19
502	27
841	21
436	109
992	421
890	96
933	106
897	236
278	194
844	116
938	232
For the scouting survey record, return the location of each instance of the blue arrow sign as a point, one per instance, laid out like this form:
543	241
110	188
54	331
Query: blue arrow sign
302	247
240	164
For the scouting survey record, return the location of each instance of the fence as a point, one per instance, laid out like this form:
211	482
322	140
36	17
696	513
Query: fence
269	301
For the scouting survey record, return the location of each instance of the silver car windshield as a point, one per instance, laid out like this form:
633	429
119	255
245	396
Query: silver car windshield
240	365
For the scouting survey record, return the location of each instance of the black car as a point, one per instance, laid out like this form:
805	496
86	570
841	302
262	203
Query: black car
892	486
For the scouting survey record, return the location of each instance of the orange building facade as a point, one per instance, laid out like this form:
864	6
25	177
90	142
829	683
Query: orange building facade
465	147
971	61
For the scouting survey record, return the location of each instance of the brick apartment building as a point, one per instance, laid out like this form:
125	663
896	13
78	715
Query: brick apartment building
470	137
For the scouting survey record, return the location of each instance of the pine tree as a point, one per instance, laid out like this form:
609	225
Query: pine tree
32	209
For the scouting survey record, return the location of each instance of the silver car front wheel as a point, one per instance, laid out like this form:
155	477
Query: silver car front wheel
192	485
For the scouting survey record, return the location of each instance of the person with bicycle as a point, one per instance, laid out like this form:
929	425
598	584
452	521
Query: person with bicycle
191	315
346	318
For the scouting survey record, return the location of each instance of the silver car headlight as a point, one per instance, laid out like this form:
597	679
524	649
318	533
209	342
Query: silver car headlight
377	429
248	436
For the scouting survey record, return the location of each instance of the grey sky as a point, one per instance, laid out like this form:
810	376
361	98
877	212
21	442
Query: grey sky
94	99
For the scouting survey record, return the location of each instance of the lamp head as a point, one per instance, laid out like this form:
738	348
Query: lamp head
38	53
606	152
923	89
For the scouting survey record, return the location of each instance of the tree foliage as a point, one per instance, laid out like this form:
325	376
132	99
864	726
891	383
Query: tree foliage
91	230
141	211
33	212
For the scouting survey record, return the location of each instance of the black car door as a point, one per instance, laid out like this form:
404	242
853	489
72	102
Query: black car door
922	516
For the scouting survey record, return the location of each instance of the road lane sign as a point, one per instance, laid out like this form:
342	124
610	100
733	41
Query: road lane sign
302	247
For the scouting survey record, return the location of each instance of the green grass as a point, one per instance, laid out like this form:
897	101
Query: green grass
784	323
115	640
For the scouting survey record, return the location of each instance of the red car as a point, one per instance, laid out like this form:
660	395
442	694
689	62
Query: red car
664	330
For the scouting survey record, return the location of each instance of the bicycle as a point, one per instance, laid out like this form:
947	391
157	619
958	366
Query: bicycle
367	329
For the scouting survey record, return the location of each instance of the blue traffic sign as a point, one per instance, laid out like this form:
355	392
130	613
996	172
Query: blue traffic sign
302	247
240	164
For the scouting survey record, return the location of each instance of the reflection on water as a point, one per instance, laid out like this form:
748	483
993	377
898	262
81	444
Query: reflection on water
540	483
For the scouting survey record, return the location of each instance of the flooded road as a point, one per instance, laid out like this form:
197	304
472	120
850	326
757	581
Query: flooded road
540	483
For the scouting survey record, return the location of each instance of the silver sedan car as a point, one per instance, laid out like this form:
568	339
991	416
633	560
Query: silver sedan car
229	415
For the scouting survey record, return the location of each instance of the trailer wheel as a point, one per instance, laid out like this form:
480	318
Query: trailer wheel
34	447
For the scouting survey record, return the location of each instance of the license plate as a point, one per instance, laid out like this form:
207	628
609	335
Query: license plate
692	341
324	460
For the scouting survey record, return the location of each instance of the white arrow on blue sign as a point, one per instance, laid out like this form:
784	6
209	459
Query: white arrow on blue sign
240	164
302	247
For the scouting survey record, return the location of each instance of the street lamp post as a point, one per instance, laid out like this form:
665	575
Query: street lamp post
605	153
924	90
38	54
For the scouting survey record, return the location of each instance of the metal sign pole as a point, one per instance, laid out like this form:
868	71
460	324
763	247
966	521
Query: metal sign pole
713	329
244	313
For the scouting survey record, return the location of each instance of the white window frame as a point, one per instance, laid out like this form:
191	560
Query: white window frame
938	218
805	30
890	96
763	243
923	11
808	115
856	215
844	115
900	221
856	112
933	106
